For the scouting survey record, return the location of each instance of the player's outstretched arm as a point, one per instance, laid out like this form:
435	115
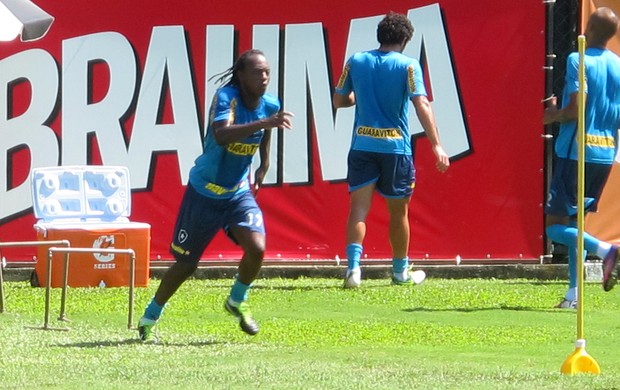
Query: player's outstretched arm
226	132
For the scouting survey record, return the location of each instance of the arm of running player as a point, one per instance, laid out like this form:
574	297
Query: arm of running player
263	152
226	132
553	114
427	120
340	100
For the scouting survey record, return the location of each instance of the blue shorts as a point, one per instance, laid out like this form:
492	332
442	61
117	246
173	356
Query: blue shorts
393	174
562	197
201	217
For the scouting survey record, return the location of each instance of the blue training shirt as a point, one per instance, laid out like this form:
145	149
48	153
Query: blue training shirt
222	171
602	110
383	83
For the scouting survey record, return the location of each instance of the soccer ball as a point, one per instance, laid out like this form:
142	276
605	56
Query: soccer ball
417	277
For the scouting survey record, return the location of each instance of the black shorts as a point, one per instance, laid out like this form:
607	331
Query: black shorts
393	174
562	197
201	217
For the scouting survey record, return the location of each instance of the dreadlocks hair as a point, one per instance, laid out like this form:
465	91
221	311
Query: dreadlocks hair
229	76
394	28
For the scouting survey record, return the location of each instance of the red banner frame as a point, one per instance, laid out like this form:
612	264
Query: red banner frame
488	205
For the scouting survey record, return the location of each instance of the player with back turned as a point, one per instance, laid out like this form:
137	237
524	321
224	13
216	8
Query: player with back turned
380	83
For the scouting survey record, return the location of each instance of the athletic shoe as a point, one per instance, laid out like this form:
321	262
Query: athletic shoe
146	329
566	304
408	277
243	314
610	272
353	278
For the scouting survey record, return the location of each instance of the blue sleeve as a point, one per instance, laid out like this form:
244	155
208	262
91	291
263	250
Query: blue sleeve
223	105
572	74
272	104
344	86
415	80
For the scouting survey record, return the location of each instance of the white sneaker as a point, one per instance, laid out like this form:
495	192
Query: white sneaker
408	277
566	304
353	278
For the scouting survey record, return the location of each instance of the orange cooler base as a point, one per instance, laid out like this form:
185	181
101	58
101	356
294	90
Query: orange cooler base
95	269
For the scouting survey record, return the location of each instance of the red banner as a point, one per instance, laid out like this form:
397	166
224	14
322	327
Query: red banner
128	83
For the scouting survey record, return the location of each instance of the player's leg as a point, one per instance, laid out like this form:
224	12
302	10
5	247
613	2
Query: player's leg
363	172
399	240
560	221
396	186
555	226
398	229
359	205
596	178
399	226
195	227
253	245
172	280
247	229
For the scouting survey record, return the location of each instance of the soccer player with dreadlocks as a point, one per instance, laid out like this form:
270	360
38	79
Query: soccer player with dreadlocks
219	195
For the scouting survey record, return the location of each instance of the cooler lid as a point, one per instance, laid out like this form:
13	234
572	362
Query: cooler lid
81	193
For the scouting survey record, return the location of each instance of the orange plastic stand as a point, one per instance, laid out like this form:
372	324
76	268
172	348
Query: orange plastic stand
92	270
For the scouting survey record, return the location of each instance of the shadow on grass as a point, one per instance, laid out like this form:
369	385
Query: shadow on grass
502	308
538	282
118	343
337	286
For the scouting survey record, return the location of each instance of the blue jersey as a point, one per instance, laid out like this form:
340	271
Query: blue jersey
602	110
383	83
222	171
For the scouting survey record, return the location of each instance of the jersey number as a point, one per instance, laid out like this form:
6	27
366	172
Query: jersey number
255	219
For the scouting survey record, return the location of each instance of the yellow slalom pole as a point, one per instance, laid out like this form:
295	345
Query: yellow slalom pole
579	361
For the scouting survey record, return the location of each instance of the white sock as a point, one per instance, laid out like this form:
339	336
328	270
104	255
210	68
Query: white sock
571	294
603	249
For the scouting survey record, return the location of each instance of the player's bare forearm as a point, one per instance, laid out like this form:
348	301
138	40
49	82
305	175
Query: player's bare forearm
263	150
262	169
427	120
554	114
340	101
226	132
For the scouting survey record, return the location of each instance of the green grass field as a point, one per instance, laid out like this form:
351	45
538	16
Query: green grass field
444	334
